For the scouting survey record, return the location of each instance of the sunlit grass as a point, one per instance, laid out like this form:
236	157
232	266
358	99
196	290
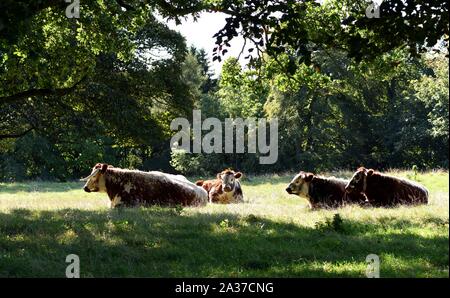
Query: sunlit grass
271	234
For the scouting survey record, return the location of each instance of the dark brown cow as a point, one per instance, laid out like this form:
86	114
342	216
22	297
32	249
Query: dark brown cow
130	188
385	190
225	189
323	192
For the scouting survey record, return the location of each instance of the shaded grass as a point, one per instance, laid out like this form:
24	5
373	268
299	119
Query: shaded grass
271	234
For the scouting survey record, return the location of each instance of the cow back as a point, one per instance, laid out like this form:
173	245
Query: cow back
330	192
326	192
386	190
136	187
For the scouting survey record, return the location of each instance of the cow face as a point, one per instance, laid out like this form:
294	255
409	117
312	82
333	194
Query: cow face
359	180
300	184
95	182
228	179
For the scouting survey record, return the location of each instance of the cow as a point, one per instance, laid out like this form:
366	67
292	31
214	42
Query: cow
384	190
131	187
323	192
225	189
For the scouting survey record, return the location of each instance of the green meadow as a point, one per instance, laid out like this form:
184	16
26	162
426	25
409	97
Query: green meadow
272	234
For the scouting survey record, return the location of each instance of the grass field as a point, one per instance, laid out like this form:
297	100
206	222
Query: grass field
272	234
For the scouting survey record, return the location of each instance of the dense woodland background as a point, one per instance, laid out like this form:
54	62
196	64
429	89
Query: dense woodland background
347	90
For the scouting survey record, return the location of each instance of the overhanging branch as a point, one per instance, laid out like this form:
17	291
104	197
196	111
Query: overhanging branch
125	5
176	11
39	92
15	135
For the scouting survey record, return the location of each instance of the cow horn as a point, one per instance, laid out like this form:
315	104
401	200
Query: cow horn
92	174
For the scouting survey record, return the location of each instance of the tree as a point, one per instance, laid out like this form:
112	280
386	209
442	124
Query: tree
351	114
211	83
242	94
347	89
275	26
432	89
124	102
303	27
52	62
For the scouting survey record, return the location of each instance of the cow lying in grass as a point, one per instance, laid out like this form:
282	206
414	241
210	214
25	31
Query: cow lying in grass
323	192
225	189
385	190
130	188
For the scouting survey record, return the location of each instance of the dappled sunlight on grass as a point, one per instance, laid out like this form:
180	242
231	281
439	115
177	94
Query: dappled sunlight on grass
271	234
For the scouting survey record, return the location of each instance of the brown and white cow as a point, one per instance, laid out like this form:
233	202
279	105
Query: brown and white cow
225	189
323	192
132	187
385	190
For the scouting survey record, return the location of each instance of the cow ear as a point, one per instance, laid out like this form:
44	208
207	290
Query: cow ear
218	176
98	166
309	177
104	167
370	172
199	182
237	175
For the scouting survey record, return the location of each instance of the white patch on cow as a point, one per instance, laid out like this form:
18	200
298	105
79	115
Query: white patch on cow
200	195
96	182
304	191
300	187
115	202
180	177
102	184
228	196
128	187
237	198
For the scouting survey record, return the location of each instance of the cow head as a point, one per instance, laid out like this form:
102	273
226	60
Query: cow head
300	184
228	179
359	181
95	182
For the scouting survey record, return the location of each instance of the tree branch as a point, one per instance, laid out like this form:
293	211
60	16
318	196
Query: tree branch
39	92
16	135
125	5
174	11
242	49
